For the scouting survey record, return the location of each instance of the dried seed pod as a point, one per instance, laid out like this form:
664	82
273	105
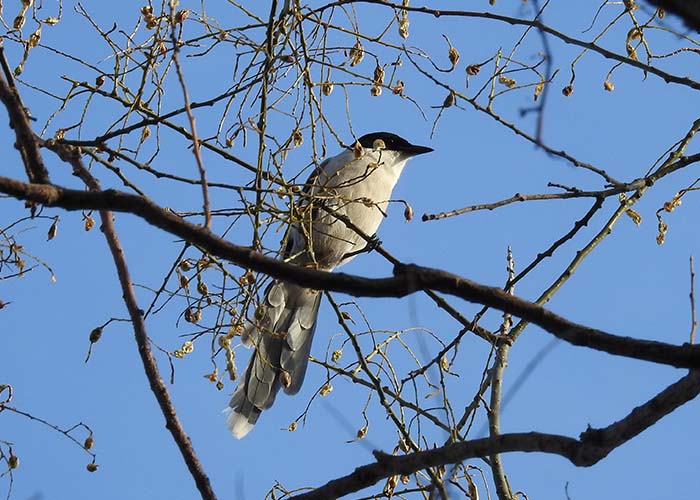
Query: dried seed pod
408	212
538	90
398	88
357	53
453	56
181	15
507	81
297	138
326	389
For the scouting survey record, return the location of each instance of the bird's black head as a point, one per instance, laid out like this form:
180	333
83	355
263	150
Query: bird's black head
392	142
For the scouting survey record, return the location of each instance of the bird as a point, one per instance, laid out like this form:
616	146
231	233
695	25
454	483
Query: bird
345	197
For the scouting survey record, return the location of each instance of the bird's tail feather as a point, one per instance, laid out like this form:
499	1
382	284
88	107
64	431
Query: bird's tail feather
281	333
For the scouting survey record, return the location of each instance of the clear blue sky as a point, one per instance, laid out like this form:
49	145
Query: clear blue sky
628	286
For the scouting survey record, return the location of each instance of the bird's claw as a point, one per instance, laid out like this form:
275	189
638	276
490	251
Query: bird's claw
373	242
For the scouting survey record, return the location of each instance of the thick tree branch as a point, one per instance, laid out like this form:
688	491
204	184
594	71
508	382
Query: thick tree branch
19	121
172	422
592	446
407	279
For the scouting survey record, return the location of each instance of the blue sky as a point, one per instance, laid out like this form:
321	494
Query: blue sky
629	285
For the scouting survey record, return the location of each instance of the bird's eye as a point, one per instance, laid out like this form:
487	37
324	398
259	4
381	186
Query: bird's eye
378	144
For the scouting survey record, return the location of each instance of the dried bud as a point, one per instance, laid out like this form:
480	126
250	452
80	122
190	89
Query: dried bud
398	88
326	389
188	347
357	149
375	90
636	218
87	444
53	230
445	363
292	427
145	133
336	355
202	288
538	90
285	378
18	23
378	77
185	265
449	100
568	90
193	316
473	69
608	85
361	433
184	283
12	461
634	34
327	88
95	334
403	24
390	486
92	467
35	37
99	81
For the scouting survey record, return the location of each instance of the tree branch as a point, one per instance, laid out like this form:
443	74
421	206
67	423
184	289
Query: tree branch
407	279
592	446
19	121
172	422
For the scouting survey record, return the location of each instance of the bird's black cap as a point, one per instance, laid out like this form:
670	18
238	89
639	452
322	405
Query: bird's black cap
392	142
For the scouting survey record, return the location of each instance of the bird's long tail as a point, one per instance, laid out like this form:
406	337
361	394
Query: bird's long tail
281	332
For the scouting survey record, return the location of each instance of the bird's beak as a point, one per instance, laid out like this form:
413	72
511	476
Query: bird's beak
417	150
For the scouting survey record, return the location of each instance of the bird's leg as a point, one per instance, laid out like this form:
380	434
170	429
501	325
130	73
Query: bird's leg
372	243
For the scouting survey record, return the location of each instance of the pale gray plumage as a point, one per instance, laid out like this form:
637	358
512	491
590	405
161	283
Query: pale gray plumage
355	185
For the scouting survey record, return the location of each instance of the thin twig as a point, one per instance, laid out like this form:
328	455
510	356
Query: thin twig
693	320
190	117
